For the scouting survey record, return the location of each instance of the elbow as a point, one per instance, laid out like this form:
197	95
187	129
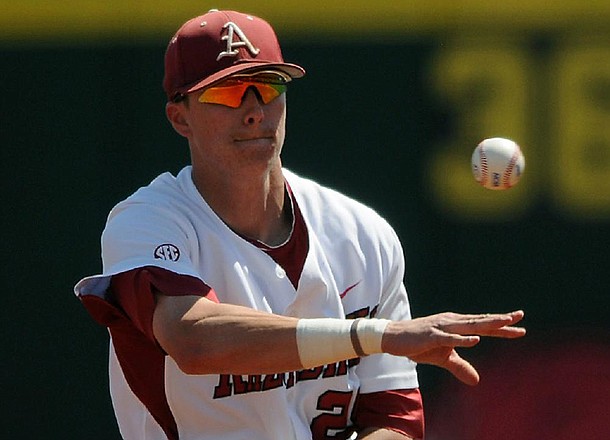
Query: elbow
190	360
195	359
187	340
188	365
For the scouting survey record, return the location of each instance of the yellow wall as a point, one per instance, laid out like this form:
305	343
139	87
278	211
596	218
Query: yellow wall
33	20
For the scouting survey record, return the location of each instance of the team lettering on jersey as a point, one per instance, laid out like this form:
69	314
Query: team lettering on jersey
231	384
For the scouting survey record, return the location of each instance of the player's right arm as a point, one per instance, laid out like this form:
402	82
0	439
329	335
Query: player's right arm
182	316
205	337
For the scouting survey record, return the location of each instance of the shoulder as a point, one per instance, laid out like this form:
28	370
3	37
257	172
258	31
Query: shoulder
332	207
163	189
166	195
343	225
161	207
154	226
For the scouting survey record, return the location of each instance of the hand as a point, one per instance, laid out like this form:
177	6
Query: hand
433	339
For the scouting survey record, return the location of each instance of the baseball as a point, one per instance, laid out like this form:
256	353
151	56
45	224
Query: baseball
497	163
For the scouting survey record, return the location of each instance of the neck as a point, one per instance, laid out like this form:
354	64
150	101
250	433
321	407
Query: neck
252	207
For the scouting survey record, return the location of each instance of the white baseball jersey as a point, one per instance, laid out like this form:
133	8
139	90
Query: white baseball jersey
354	267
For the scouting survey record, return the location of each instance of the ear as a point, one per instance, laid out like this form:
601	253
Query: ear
175	112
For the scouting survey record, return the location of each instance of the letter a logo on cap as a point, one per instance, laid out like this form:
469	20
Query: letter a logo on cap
232	46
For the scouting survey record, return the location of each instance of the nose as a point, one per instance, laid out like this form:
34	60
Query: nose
253	106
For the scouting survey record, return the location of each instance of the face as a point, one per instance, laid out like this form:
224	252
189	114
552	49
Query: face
225	139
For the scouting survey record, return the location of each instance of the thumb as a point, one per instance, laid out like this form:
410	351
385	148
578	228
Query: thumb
461	369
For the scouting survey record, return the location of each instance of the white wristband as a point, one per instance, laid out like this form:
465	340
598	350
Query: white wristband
370	333
321	341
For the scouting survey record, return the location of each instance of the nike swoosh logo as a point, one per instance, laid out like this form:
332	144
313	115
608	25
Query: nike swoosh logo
342	295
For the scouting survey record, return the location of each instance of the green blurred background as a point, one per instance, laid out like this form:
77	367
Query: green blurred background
397	95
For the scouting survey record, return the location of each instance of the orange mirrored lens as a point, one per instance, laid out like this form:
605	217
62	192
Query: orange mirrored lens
230	93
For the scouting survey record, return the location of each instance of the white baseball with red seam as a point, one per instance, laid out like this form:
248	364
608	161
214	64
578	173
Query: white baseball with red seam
497	163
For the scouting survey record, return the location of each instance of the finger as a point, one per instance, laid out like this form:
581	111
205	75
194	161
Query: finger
516	316
510	317
461	369
454	340
499	325
507	332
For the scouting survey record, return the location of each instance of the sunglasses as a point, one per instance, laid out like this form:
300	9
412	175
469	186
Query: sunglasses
231	91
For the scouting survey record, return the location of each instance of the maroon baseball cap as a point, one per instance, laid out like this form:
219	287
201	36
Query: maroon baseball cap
217	44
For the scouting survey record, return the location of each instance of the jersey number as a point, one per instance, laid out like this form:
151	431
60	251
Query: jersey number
331	424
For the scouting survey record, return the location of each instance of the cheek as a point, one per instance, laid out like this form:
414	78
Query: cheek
279	115
205	140
207	127
281	130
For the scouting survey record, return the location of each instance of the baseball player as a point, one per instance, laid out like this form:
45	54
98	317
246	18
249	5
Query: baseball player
246	302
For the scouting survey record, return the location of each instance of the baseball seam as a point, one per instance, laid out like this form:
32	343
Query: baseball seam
483	161
510	168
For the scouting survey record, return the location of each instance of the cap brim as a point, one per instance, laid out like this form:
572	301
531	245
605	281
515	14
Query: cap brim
293	70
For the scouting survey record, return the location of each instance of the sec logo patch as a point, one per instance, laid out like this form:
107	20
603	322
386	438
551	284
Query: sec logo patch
167	252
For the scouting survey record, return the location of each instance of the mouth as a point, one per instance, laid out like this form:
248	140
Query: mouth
258	140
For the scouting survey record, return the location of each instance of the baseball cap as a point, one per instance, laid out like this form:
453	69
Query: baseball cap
210	47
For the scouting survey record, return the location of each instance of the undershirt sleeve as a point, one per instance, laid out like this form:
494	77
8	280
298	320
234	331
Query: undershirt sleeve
133	292
397	410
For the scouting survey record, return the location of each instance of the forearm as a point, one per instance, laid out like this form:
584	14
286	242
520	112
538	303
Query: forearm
210	338
205	337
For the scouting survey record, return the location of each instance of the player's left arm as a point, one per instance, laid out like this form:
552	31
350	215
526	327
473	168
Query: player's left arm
381	434
391	414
